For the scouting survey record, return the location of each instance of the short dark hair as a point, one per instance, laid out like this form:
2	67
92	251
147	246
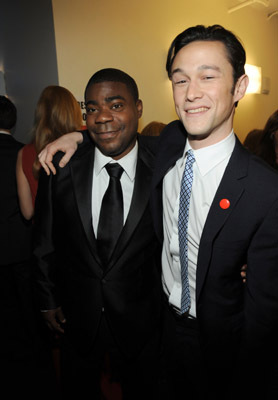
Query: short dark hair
8	113
114	75
235	51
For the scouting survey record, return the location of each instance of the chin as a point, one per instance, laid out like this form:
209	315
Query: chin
197	136
113	153
105	150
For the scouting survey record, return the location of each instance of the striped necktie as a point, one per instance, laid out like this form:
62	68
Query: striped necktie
185	193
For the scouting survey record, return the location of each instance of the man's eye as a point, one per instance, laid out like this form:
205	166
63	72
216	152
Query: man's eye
117	106
90	110
180	82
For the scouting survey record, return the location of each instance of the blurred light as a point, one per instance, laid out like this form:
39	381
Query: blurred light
255	78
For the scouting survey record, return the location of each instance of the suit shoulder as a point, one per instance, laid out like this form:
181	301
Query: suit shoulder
262	169
174	126
18	145
10	141
147	146
148	142
259	172
172	136
84	148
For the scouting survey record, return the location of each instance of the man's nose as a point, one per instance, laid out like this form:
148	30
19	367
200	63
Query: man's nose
193	91
104	116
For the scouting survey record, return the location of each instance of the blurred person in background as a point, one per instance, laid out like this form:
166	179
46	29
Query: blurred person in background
154	128
268	146
57	112
24	360
252	140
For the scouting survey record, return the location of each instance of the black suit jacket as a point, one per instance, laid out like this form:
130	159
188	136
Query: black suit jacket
69	271
234	317
15	232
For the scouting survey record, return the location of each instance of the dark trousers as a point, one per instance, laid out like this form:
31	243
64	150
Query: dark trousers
81	373
25	350
192	370
188	369
182	364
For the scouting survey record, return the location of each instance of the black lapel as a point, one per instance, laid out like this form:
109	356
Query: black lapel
170	149
82	176
231	187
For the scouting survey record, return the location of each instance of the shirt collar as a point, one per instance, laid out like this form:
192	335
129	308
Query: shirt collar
128	162
6	133
209	157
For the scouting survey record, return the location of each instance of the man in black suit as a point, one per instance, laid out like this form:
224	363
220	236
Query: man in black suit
102	306
15	237
21	347
14	231
225	326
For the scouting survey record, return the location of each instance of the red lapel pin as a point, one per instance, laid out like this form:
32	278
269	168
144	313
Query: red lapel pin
224	203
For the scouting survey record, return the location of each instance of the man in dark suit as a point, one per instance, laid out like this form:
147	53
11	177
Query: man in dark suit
14	230
15	238
215	325
21	346
102	305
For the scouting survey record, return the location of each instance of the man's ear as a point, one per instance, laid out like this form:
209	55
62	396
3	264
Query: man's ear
241	87
139	106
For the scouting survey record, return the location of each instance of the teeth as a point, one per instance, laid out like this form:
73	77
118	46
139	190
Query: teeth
196	110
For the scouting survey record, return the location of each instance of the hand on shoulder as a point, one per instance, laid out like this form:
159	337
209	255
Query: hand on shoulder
67	143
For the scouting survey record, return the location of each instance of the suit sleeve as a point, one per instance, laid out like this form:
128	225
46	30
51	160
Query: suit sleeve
44	254
261	301
86	136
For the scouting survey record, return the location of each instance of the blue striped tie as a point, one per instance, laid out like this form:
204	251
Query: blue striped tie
185	193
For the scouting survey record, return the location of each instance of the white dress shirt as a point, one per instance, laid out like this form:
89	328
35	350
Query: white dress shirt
101	181
208	171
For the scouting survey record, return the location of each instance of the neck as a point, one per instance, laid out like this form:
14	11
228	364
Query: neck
198	142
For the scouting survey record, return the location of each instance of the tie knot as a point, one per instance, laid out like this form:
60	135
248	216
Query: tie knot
190	157
114	170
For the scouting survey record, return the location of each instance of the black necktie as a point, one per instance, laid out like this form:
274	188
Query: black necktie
111	214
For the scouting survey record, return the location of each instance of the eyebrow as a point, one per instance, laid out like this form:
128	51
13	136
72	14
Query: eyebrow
214	67
107	100
201	68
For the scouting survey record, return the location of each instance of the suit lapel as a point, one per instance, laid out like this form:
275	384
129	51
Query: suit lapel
171	147
82	177
231	188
